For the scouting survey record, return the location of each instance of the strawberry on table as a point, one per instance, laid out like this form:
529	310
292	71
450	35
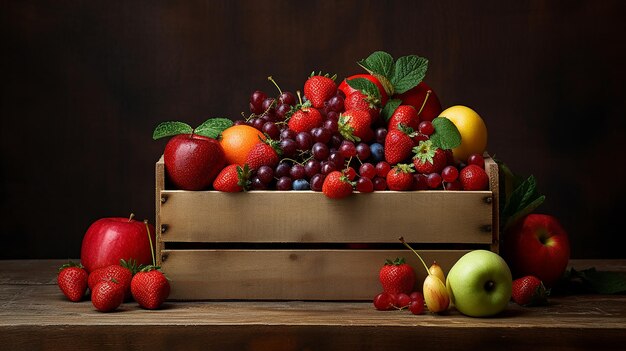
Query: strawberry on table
337	185
398	145
400	177
529	291
319	88
107	295
233	178
72	280
150	287
122	273
429	158
397	277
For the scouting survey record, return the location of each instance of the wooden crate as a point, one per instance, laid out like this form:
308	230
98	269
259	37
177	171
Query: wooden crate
299	245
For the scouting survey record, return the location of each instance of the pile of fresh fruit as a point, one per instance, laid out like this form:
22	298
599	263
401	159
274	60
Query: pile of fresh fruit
383	130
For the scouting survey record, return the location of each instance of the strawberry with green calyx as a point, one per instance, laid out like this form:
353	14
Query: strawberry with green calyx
529	291
429	158
304	117
150	287
400	177
355	125
347	89
233	178
365	97
318	88
399	144
72	280
193	156
107	295
397	277
266	153
337	185
473	178
122	274
404	114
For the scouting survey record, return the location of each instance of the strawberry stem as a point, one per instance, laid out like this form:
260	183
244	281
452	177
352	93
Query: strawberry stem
415	252
145	221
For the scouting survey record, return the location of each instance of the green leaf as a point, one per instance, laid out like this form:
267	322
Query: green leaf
408	72
446	135
365	86
378	63
390	108
165	129
524	200
213	127
601	282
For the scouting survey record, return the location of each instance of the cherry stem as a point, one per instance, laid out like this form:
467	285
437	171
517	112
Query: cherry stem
277	87
145	221
415	252
299	96
425	99
130	218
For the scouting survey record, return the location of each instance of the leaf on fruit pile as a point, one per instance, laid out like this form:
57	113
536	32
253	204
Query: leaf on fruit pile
524	200
446	135
390	108
380	65
365	86
408	72
166	129
592	280
213	127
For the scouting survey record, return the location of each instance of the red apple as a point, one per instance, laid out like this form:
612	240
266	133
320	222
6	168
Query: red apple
347	90
424	99
108	240
538	245
193	161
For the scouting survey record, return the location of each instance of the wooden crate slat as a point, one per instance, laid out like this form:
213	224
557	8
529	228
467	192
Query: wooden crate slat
287	274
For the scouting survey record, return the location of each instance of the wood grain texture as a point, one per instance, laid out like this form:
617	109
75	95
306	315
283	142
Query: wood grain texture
35	315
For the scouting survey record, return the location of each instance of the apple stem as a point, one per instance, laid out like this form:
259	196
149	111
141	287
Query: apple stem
416	254
425	99
132	215
145	221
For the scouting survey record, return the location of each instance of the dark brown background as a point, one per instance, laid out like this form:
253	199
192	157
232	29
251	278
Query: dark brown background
84	83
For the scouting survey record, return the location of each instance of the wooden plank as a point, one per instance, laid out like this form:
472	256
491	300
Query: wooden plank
159	186
491	167
287	274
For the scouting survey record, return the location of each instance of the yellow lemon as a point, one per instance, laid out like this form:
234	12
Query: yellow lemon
472	128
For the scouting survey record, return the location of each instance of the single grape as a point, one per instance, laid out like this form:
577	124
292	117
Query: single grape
301	184
383	302
287	98
364	185
331	125
419	182
271	129
320	151
335	103
382	168
257	184
433	180
416	306
283	183
337	158
282	170
265	174
347	149
304	140
476	159
449	174
350	172
239	122
380	134
317	181
328	166
402	300
256	101
281	111
363	151
336	140
312	167
321	135
289	147
258	123
332	116
377	152
268	103
455	185
287	134
379	183
426	128
367	170
297	171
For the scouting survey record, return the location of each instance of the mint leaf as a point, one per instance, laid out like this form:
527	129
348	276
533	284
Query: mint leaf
213	127
408	72
390	108
165	129
446	135
378	63
524	200
365	86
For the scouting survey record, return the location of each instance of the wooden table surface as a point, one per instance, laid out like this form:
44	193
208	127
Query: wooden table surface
34	315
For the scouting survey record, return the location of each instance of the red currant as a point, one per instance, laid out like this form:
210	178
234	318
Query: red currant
364	185
383	301
402	300
449	174
476	159
426	128
382	168
416	307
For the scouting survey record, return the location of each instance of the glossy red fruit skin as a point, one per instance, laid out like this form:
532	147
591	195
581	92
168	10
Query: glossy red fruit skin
107	296
150	289
108	240
415	97
73	283
474	178
192	161
120	274
347	90
537	245
383	301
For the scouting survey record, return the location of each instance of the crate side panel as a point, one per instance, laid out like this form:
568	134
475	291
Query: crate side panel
277	216
287	274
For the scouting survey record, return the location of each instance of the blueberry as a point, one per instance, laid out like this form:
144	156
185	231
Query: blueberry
378	152
301	184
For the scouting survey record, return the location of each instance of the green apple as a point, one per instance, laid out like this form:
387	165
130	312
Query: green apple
480	284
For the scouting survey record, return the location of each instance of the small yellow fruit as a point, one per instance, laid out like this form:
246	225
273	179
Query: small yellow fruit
436	270
436	294
472	128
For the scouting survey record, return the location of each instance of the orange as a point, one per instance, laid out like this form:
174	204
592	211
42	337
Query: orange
237	141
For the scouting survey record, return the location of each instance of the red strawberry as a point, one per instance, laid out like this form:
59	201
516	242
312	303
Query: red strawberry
362	102
122	273
336	185
398	145
397	277
107	295
319	88
529	291
429	158
305	118
72	280
347	90
400	177
233	178
150	288
264	154
473	177
404	114
355	125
